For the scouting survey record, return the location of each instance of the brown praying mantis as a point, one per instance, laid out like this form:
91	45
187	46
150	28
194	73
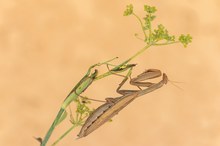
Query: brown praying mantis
114	105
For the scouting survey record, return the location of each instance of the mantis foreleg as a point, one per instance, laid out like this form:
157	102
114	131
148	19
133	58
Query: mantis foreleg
138	81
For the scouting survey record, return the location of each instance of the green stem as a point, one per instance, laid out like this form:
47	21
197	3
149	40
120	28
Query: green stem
62	136
137	54
123	63
150	29
167	43
142	25
52	127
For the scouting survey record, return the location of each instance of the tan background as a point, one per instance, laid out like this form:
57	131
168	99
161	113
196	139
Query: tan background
47	45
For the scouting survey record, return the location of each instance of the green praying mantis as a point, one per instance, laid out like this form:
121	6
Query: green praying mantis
114	105
80	87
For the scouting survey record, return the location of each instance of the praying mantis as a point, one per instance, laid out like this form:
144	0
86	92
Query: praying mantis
114	105
80	87
152	37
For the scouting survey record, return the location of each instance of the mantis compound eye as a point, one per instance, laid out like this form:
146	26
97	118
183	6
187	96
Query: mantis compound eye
165	78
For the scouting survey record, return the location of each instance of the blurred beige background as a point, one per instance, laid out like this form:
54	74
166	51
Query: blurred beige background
46	47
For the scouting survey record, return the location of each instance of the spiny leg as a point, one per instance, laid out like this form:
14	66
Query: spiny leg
86	98
148	74
124	92
121	69
129	67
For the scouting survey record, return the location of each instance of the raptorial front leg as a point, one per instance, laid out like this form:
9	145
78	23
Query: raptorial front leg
124	92
139	80
148	74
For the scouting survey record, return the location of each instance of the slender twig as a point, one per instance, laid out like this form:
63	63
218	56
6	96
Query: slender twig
142	25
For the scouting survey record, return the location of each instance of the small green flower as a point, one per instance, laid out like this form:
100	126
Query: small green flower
185	39
147	21
161	33
149	9
82	111
129	10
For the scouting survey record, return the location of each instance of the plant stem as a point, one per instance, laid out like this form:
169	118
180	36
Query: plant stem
123	63
62	136
52	127
167	43
150	28
136	54
142	25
